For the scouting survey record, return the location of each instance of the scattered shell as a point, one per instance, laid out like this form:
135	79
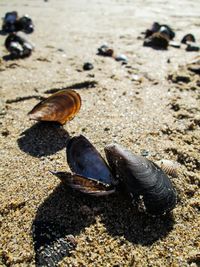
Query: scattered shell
168	166
59	107
192	47
25	24
154	28
105	51
174	44
18	46
162	28
157	40
167	30
91	174
188	38
122	58
9	21
142	177
12	23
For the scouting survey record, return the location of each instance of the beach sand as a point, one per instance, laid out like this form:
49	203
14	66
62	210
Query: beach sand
158	114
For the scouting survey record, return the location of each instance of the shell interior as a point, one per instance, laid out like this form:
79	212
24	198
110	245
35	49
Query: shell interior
59	107
85	184
85	160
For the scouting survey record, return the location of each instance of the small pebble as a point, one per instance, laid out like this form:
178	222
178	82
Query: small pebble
144	153
122	58
88	66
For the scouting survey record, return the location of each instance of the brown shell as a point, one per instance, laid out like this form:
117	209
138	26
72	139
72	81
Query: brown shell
84	184
59	107
169	167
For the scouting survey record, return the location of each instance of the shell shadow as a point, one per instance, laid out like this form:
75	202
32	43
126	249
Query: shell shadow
66	212
121	218
43	139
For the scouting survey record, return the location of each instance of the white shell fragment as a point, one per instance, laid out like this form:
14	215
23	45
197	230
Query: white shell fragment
168	166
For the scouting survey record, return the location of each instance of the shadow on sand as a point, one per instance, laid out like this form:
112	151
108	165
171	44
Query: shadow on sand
43	139
66	212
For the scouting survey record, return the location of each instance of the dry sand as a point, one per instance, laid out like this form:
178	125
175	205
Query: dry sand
157	114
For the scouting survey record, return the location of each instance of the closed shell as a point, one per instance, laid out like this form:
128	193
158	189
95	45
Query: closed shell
59	107
141	177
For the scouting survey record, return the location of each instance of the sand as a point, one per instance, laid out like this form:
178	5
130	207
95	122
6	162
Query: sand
158	114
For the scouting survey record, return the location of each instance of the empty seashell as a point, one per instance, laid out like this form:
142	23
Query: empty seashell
105	51
9	21
122	58
25	24
168	166
59	107
91	174
162	28
188	38
192	47
157	40
18	46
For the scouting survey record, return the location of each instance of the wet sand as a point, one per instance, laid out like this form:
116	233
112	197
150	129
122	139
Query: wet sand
159	114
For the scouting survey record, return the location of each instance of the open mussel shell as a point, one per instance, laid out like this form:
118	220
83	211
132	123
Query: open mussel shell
188	38
105	51
157	40
84	184
168	166
89	169
18	46
25	24
9	22
59	107
141	177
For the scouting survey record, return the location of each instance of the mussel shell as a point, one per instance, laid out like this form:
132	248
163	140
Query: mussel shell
16	50
25	24
9	22
157	40
104	50
188	38
10	17
59	107
156	27
142	177
85	160
84	184
168	29
18	46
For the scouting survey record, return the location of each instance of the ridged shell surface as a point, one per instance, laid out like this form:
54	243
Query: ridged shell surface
59	107
142	177
168	166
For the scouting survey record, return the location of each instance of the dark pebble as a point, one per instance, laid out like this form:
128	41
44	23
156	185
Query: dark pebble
88	66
